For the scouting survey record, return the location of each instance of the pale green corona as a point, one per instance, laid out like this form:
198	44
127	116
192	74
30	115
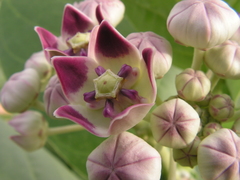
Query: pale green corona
80	40
107	85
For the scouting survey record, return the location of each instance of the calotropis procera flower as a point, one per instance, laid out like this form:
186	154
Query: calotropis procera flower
188	155
192	85
161	50
97	10
32	128
110	90
20	91
221	107
224	60
124	156
54	96
38	62
218	156
202	24
236	35
175	123
74	35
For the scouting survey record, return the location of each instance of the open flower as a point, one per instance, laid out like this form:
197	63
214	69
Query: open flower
112	89
124	156
74	34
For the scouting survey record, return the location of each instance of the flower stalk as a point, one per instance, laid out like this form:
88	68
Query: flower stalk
64	129
197	59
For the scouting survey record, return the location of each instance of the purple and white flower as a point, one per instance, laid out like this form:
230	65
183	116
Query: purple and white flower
110	90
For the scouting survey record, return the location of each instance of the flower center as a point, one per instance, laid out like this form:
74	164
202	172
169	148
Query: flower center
79	41
107	85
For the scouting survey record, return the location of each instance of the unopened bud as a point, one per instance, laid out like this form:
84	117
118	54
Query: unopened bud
188	155
202	24
211	128
221	107
175	124
38	62
218	156
162	50
192	85
223	60
54	96
124	156
98	10
20	90
32	128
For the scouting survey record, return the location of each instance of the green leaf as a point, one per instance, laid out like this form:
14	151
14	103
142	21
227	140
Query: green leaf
21	165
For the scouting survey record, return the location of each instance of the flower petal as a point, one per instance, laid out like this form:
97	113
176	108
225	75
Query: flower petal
48	40
129	118
92	120
76	75
74	21
111	49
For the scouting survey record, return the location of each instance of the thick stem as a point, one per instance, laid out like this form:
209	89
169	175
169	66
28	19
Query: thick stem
197	59
214	81
64	129
172	167
38	105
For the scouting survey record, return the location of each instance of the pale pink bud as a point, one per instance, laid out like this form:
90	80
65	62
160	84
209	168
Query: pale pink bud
38	62
218	156
202	24
236	35
188	155
124	156
54	96
97	10
175	123
224	60
162	50
32	128
211	128
221	107
20	90
192	85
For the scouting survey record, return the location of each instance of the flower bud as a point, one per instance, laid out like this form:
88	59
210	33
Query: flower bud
188	155
236	35
32	128
38	62
224	60
124	156
192	85
162	50
97	10
221	107
202	24
20	90
218	156
175	123
211	128
53	96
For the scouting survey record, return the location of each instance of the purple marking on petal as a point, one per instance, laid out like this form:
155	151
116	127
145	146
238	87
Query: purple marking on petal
99	14
70	113
131	94
108	109
47	39
125	71
72	72
89	96
75	21
100	70
110	43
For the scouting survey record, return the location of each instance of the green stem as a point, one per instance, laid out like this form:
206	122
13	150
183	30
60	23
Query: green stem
197	59
214	81
172	167
64	129
38	105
